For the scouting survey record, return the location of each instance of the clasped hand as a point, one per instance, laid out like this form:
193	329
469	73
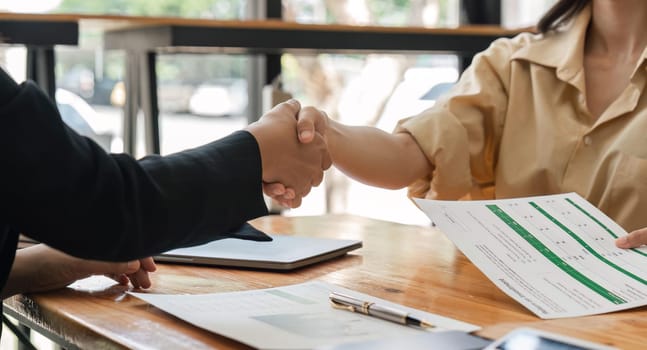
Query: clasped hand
294	173
293	151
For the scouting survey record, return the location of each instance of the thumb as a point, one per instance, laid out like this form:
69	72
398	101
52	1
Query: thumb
311	120
305	130
633	239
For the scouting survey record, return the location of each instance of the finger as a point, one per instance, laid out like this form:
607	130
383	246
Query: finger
130	267
633	239
281	199
291	107
122	279
140	279
316	180
148	264
303	191
288	195
286	203
277	199
311	120
295	203
273	189
326	160
134	281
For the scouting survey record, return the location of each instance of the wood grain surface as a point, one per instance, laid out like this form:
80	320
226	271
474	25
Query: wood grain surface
411	265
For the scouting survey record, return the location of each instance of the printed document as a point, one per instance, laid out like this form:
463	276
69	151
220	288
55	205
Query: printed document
553	254
292	317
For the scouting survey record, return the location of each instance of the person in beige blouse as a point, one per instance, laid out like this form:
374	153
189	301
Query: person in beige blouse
559	111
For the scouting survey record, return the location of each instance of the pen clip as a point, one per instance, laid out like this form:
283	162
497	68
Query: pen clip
338	305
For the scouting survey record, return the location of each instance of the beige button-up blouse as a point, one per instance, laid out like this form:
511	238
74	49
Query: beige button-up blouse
517	124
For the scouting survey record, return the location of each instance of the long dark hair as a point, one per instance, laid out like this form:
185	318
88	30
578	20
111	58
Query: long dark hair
562	12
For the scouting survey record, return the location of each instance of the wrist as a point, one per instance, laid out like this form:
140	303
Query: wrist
334	136
268	147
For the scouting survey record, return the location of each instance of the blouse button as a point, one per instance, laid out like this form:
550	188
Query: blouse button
588	140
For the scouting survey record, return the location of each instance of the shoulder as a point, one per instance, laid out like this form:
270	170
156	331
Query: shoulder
508	47
495	62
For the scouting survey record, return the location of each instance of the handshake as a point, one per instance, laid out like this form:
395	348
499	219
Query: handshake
293	151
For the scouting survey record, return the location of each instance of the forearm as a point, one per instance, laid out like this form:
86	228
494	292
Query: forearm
64	190
375	157
41	268
18	280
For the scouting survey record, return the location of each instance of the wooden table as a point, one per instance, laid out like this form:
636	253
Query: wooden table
415	266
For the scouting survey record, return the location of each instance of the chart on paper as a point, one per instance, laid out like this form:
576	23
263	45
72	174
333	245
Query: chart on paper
553	254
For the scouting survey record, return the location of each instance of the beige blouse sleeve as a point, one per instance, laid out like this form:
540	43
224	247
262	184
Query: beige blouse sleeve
461	133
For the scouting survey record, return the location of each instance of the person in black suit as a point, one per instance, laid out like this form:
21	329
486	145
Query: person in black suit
62	189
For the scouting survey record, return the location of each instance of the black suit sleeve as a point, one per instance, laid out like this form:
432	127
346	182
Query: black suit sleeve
64	190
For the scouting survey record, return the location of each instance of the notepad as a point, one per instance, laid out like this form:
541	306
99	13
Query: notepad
282	253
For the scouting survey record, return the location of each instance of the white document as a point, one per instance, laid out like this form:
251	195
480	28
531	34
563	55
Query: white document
292	317
553	254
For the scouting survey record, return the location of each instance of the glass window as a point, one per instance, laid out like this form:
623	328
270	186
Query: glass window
221	9
376	90
426	13
520	13
370	89
13	59
201	98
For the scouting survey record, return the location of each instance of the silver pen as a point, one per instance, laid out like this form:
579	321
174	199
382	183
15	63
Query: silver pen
346	302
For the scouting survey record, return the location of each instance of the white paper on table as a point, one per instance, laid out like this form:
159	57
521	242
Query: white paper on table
292	317
92	284
553	254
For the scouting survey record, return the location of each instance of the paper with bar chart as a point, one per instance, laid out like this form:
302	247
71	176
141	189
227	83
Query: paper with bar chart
553	254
